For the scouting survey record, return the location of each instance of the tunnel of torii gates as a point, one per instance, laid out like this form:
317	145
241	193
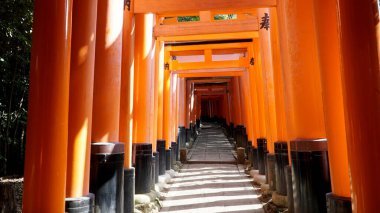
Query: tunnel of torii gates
114	81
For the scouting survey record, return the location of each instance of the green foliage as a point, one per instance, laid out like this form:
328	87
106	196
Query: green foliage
187	18
225	16
15	44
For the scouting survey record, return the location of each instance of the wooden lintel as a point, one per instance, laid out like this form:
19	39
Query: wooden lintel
171	6
241	63
200	28
210	74
223	46
205	37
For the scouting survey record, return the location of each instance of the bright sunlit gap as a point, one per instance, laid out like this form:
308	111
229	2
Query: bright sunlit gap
202	200
220	209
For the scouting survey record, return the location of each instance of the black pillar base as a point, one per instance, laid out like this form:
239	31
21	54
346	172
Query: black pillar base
282	160
107	176
255	159
248	151
84	204
271	161
175	151
168	162
181	138
310	172
188	134
161	146
156	166
129	190
238	135
143	167
261	154
337	204
289	188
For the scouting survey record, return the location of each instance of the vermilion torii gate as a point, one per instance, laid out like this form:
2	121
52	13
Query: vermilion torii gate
124	74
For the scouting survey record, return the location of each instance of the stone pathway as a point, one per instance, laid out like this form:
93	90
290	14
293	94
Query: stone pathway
211	146
204	186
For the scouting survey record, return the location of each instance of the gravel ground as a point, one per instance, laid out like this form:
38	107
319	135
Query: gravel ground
11	194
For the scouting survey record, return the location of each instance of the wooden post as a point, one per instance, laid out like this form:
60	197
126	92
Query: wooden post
81	97
47	128
360	74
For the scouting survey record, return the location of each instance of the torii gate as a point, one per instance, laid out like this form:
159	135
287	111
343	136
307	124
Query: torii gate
82	55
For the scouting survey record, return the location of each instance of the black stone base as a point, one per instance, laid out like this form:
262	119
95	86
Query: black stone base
289	188
129	190
144	168
107	176
161	146
310	173
84	204
168	159
261	155
271	161
337	204
255	159
156	166
143	173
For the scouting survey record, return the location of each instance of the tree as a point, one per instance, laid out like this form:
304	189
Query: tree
15	44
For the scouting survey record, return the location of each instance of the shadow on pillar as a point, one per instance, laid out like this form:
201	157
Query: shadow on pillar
107	176
310	175
143	159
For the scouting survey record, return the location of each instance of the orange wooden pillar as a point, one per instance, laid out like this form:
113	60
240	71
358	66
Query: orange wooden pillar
236	101
126	94
268	81
160	62
166	101
304	108
277	78
360	75
126	104
247	107
192	104
252	70
259	87
47	129
106	105
188	103
303	98
330	62
229	101
199	109
181	102
81	97
143	102
174	102
156	78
